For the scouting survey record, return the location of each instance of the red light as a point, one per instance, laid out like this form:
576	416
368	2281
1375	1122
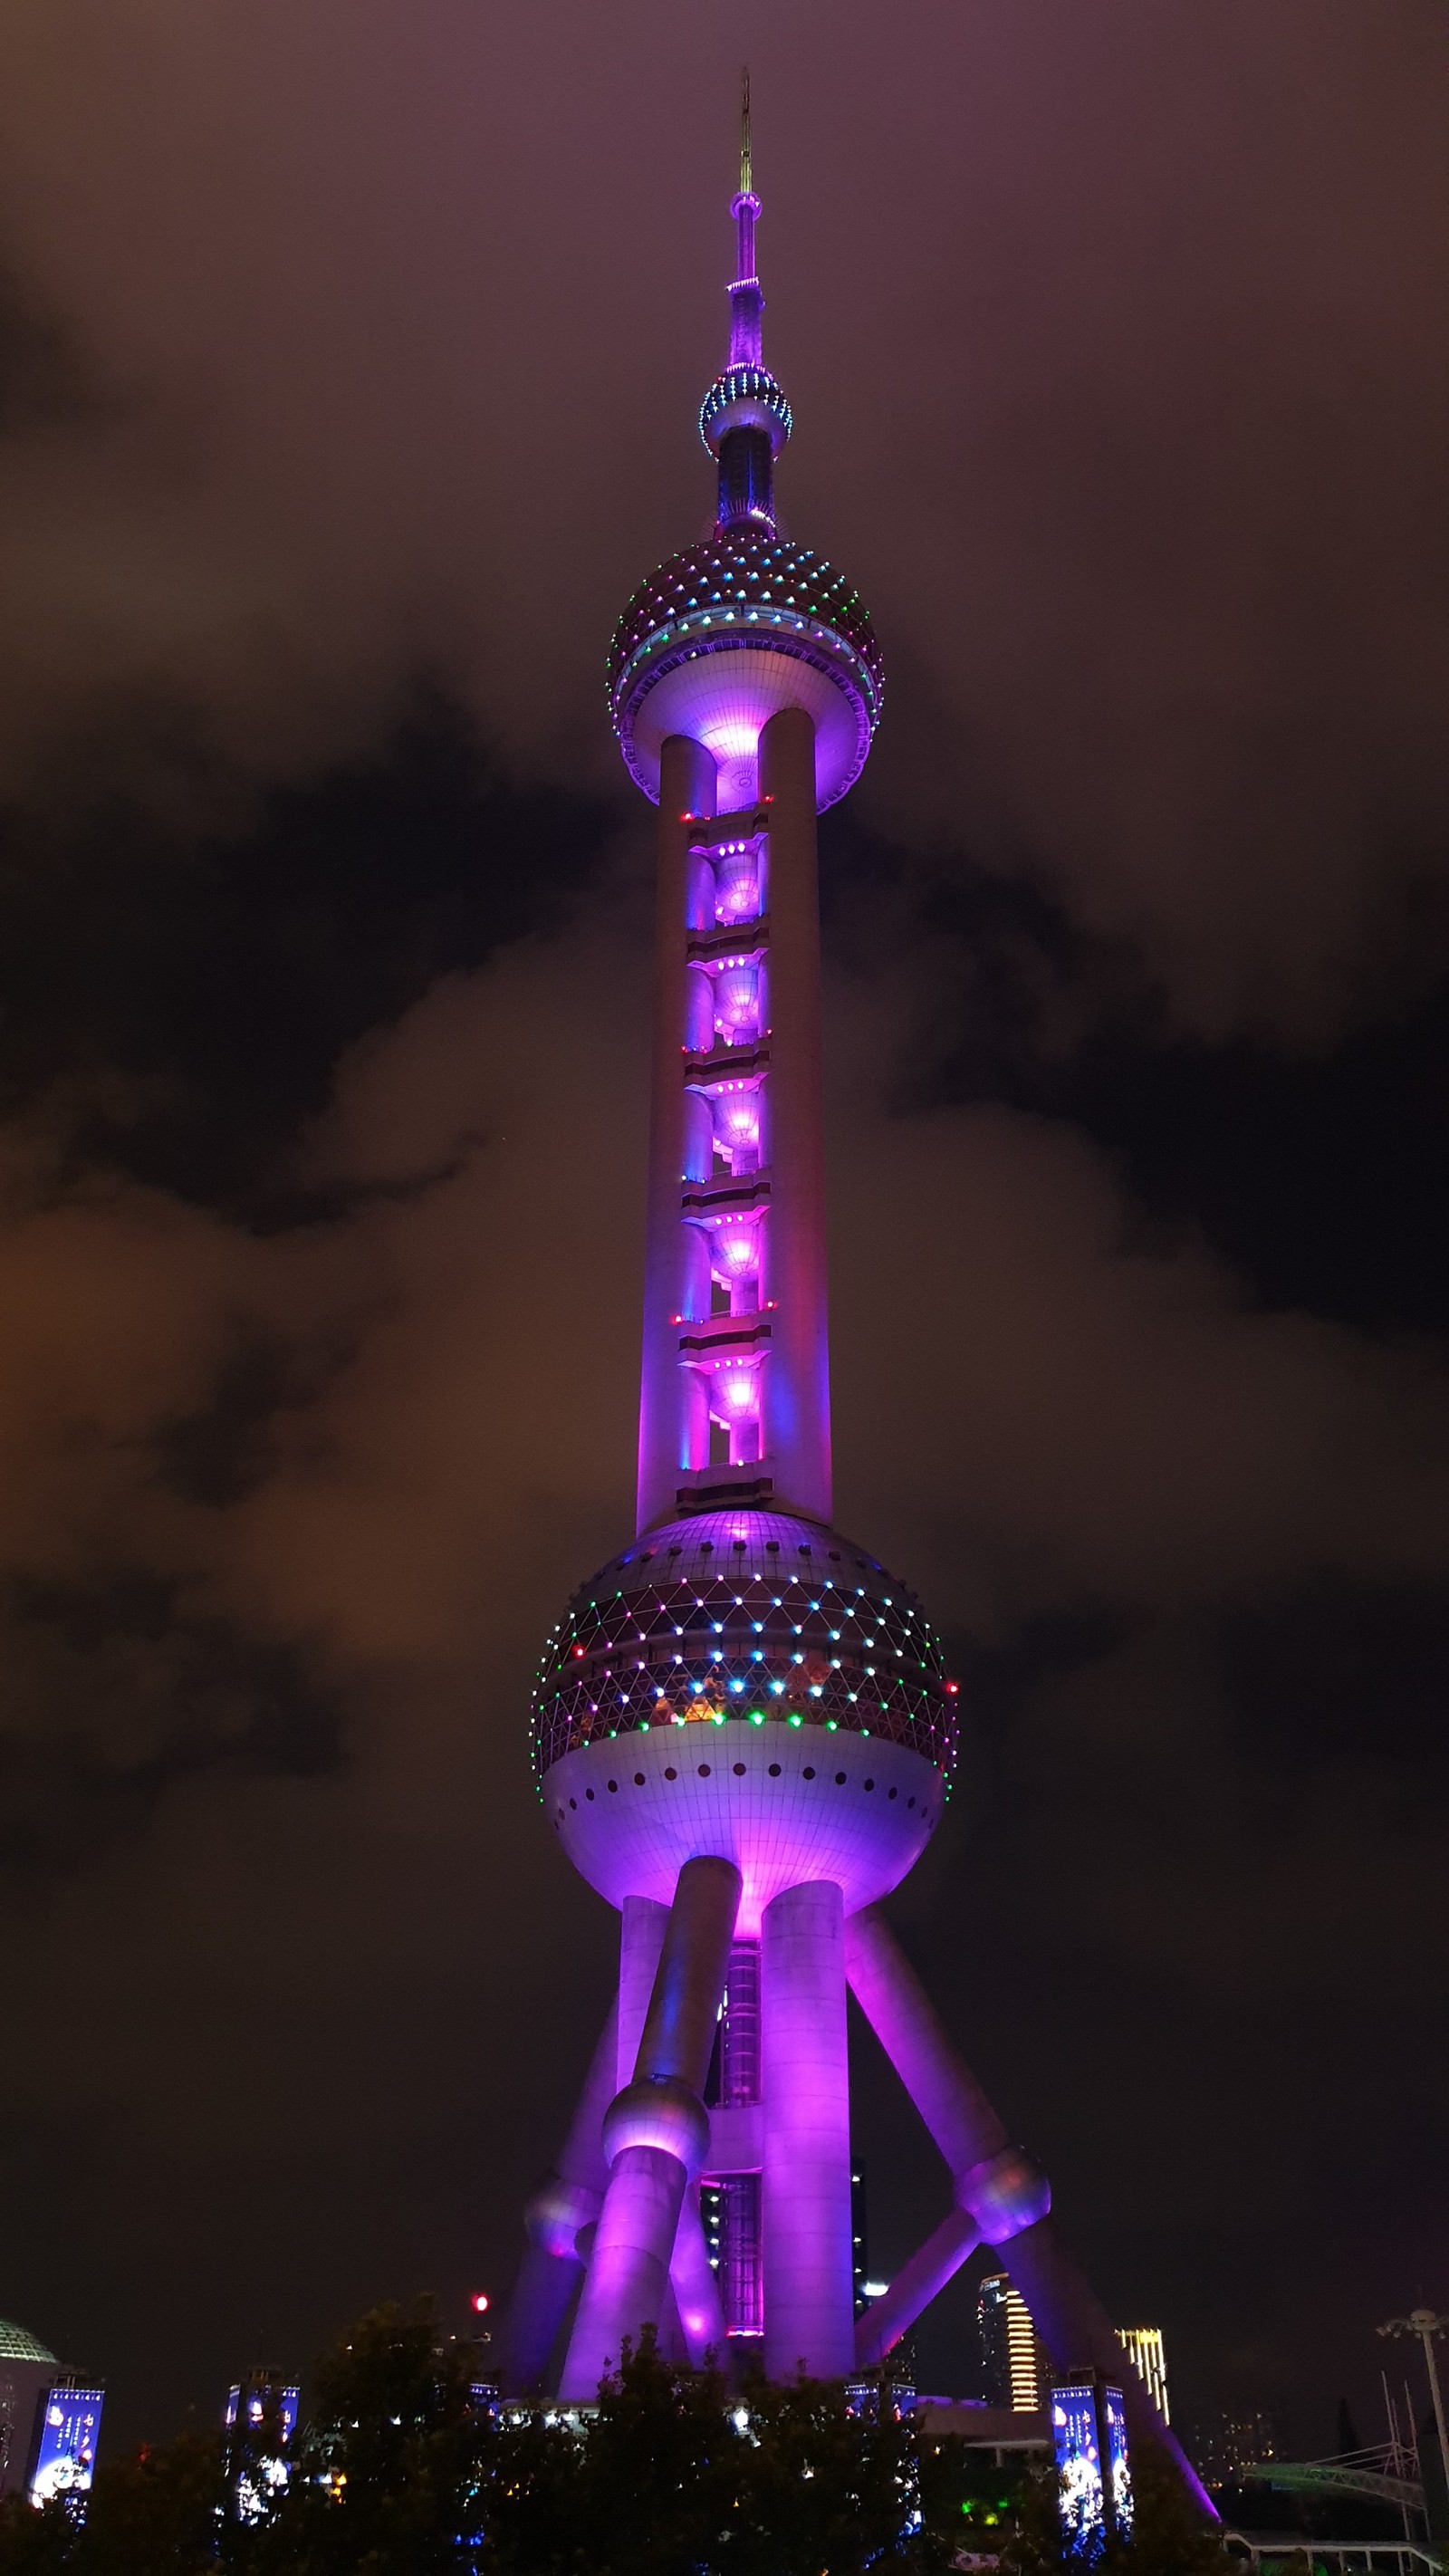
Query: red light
953	1688
481	2303
578	1650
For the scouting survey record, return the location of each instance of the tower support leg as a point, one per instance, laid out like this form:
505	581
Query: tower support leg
805	2089
642	1925
656	2132
570	2199
701	2310
916	2284
995	2184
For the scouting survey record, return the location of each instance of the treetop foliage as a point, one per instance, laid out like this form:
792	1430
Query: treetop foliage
401	2467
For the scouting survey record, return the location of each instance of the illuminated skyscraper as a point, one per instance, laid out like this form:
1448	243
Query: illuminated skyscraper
1149	2360
28	2369
1015	2369
743	1728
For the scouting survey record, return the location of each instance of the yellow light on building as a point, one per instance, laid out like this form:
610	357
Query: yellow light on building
1143	2346
1015	2366
1027	2392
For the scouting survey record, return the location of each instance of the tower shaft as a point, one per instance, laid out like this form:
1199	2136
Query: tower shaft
735	1380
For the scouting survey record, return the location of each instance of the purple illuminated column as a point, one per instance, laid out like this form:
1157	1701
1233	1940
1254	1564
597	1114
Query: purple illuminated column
641	1938
989	2177
656	2132
696	2291
797	1378
904	2019
916	2284
805	2087
569	2200
687	786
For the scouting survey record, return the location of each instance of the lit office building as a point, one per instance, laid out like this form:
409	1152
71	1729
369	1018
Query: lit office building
1015	2369
50	2420
1226	2441
27	2370
1143	2345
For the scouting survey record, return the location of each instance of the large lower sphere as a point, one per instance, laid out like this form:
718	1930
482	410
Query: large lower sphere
753	1686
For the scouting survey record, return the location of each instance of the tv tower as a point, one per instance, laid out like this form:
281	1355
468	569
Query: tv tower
743	1727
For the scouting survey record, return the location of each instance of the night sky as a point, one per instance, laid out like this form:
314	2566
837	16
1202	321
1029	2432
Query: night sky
349	353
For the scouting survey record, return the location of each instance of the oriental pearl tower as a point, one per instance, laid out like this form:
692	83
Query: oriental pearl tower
743	1727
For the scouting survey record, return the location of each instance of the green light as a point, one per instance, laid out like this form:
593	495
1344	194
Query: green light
795	1718
832	1725
757	1717
719	1717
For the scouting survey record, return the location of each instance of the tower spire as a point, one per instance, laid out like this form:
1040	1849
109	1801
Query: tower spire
747	304
746	419
746	180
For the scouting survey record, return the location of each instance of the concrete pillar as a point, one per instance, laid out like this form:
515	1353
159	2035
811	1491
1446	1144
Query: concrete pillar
656	2132
687	786
641	1938
916	2284
797	1429
999	2188
900	2012
677	2041
569	2199
805	2089
701	2314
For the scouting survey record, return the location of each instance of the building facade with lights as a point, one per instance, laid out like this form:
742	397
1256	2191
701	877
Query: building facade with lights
743	1727
1015	2369
27	2371
1148	2354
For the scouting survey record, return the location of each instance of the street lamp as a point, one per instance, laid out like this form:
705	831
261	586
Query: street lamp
1423	2323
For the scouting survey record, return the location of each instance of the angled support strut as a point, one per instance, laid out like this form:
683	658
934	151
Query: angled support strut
570	2199
656	2132
995	2186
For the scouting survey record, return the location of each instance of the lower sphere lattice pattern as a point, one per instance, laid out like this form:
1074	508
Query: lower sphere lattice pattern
751	1615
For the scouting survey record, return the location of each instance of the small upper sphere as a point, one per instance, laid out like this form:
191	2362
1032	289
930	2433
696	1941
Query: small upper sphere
745	398
723	636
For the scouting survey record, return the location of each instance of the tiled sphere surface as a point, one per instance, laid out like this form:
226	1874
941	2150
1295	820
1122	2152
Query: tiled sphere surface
745	397
748	1684
754	623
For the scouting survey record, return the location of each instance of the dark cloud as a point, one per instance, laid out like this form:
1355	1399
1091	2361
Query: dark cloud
117	1691
344	346
202	978
1311	1174
44	383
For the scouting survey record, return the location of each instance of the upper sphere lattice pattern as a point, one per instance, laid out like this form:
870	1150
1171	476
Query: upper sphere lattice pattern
745	585
745	398
745	1615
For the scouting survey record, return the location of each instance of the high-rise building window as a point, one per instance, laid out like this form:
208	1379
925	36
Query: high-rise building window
1015	2368
1143	2345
